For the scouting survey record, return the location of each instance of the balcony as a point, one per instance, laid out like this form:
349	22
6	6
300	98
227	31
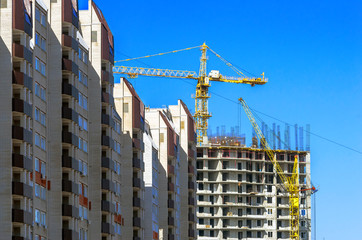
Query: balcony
22	134
19	51
70	90
170	169
108	185
22	216
170	203
69	66
69	113
191	153
136	183
107	141
107	77
21	78
136	163
70	211
108	163
136	202
19	105
191	170
70	42
69	234
191	217
69	186
171	187
191	186
69	14
22	189
69	162
171	221
136	143
20	19
136	222
191	201
106	97
18	238
107	206
21	161
191	233
105	119
70	138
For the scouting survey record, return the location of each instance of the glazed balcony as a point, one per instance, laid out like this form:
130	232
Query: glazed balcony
69	113
22	161
21	78
22	134
69	66
22	216
20	19
19	105
19	51
69	162
22	189
68	41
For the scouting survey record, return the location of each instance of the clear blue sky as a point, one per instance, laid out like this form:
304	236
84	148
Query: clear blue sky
311	52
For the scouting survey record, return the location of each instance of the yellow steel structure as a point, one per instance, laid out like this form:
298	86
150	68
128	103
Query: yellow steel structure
290	183
202	114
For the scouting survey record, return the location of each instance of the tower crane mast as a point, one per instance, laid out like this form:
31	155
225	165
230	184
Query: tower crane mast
291	183
202	114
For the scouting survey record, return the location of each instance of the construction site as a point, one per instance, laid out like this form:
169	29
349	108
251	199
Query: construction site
90	150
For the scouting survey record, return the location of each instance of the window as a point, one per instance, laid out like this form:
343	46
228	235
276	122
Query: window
118	169
37	216
83	101
39	141
303	235
201	209
201	221
83	234
125	107
40	66
118	147
40	116
82	77
40	217
270	234
40	41
118	127
302	223
270	211
83	55
118	229
83	168
83	124
40	17
270	200
83	145
270	223
40	91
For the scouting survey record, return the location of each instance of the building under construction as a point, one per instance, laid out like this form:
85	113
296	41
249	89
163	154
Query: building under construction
240	195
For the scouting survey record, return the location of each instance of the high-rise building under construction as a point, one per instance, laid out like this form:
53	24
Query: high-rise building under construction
240	196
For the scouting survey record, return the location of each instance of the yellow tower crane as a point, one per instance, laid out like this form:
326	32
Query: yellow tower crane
202	114
291	183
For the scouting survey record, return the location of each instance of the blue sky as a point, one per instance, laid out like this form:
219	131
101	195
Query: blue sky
312	54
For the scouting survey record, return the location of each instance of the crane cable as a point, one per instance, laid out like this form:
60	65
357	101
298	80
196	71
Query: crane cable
157	54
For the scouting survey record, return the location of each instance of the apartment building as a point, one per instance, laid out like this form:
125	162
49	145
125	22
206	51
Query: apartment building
151	176
173	131
184	122
132	111
239	195
58	154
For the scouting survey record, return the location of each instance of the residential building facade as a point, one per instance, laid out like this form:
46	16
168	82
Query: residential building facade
58	154
240	196
132	111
